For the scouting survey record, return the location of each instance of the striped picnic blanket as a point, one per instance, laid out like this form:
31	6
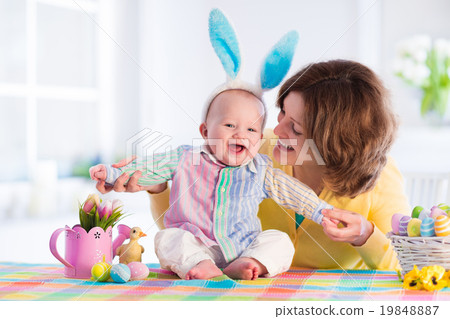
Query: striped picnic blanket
20	281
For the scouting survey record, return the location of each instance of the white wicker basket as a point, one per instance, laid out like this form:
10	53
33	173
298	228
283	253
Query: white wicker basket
421	251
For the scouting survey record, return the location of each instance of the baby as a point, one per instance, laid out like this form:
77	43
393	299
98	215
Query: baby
212	221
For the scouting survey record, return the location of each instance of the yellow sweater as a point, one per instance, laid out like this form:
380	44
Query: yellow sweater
313	249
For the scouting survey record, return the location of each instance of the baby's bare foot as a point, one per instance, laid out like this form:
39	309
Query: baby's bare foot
205	269
245	268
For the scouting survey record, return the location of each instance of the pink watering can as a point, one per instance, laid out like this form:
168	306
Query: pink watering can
83	250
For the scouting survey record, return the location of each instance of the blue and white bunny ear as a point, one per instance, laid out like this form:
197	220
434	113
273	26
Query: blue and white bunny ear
224	42
277	63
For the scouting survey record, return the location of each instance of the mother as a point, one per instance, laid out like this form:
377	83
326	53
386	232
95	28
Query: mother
341	109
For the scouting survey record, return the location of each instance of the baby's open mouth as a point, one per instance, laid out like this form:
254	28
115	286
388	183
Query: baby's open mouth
236	148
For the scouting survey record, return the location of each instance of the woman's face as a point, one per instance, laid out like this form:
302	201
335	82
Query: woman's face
290	131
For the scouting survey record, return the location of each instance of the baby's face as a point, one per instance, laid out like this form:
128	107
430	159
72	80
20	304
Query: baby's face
233	127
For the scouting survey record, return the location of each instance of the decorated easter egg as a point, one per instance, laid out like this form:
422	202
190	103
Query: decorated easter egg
444	207
139	271
436	211
427	227
100	271
403	226
413	228
442	226
416	211
120	273
424	214
395	222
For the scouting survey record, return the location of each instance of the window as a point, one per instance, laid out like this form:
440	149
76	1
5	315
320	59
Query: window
49	85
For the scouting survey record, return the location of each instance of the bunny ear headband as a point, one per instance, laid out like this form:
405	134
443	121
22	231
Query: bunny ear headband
274	67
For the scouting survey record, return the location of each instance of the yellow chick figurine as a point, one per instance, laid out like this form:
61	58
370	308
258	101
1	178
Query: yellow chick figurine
132	251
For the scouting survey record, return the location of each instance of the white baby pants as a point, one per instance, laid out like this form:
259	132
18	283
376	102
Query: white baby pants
179	251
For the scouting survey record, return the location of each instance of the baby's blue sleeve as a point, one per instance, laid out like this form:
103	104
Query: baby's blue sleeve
112	174
156	169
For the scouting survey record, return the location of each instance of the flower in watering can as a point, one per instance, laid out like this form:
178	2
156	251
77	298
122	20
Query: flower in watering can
105	209
97	213
117	205
91	202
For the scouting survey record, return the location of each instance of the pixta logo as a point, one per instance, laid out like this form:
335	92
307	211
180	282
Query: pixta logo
146	144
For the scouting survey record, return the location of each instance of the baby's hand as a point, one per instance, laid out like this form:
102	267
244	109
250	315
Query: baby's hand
98	172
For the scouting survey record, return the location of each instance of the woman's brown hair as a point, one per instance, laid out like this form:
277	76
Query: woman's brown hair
348	116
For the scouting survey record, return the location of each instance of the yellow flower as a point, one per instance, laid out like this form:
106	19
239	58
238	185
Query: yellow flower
447	278
433	278
412	279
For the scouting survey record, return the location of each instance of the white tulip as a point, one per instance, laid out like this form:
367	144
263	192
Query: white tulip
117	203
412	55
398	65
420	74
402	49
419	55
442	48
408	69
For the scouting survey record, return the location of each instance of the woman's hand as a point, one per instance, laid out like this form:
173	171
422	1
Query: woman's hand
356	228
121	184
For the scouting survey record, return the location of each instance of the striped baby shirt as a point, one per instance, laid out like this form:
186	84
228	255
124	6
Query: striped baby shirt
218	203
